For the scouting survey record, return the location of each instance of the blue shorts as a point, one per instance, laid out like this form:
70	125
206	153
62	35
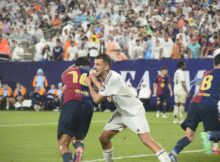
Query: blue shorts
163	98
201	113
75	119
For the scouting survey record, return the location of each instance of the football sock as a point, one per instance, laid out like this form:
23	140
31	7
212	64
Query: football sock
67	157
181	112
79	148
162	156
164	108
108	155
175	111
183	142
158	107
214	136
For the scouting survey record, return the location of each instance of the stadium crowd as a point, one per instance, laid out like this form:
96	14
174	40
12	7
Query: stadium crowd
40	30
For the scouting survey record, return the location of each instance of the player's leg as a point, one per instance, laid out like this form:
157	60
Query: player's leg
182	107
139	125
189	125
181	112
176	109
158	106
164	106
84	115
105	140
110	130
79	149
64	150
211	125
155	147
184	141
66	129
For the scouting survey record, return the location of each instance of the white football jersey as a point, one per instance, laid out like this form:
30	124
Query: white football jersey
122	96
178	78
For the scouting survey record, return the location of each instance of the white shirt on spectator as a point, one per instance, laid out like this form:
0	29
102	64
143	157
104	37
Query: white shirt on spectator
167	47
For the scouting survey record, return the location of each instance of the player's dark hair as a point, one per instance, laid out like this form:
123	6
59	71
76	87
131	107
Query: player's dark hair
180	64
82	61
217	60
163	68
105	58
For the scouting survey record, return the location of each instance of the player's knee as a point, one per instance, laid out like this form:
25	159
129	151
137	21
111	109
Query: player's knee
190	136
64	142
104	140
164	104
146	139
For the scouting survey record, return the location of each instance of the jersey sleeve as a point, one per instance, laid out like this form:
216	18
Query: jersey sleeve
110	88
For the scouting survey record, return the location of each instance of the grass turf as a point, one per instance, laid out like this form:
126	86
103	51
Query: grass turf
31	137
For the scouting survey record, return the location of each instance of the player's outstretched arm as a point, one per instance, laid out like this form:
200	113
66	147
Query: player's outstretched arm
96	97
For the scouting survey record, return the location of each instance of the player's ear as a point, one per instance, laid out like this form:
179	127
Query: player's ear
106	67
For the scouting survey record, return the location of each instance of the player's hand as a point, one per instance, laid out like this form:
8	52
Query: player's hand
171	94
88	81
93	78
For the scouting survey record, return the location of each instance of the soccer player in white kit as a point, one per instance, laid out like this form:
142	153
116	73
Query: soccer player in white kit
180	92
129	110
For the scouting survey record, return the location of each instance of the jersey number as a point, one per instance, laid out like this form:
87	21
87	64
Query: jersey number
206	83
76	79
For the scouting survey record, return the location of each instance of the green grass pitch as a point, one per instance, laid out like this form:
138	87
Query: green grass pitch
31	137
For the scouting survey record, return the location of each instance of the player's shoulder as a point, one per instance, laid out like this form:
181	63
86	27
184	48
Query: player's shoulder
112	76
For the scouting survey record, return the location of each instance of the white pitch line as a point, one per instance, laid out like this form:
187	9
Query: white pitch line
54	123
141	155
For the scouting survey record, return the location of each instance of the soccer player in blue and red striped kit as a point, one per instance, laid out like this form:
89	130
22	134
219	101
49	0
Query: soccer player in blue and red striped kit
162	90
76	112
203	108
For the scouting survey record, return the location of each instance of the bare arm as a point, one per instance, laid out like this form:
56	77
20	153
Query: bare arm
155	89
170	89
97	98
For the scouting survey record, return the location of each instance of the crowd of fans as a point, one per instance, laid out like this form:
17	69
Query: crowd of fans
124	29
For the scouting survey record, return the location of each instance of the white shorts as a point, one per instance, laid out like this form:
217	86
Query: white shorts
137	123
180	98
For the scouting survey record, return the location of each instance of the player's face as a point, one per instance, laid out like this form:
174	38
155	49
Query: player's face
100	67
164	72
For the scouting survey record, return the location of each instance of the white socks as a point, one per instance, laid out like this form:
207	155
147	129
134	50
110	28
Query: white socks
163	156
108	155
181	112
175	111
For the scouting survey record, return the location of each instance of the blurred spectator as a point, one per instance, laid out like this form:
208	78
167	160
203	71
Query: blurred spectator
58	51
157	50
37	99
47	53
19	95
6	98
18	53
51	98
71	51
167	46
194	49
176	53
145	95
5	51
40	81
59	93
39	50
